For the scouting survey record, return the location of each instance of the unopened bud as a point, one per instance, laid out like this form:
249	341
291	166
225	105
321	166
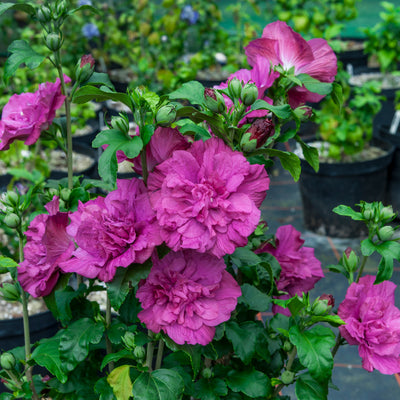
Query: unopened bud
7	361
65	193
257	134
121	123
287	377
207	373
350	260
12	198
385	233
304	113
323	304
129	339
387	213
249	94
9	292
235	88
12	220
214	100
84	68
43	14
166	115
287	346
139	352
53	41
61	8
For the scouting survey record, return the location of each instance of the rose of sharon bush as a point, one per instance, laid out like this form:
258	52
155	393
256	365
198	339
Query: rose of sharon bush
48	244
27	114
186	295
113	232
207	198
300	269
280	45
372	323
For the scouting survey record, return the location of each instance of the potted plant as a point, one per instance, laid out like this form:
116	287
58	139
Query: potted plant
353	165
181	254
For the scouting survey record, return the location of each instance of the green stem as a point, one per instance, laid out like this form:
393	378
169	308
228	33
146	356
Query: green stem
159	354
360	271
68	116
150	352
108	324
337	344
291	358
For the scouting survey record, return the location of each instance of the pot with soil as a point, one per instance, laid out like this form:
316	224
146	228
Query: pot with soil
346	182
350	51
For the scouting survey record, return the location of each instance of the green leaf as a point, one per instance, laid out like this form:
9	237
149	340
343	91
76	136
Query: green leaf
6	262
347	211
88	93
47	354
21	53
314	85
282	112
113	357
314	350
125	278
210	389
161	384
307	388
85	7
367	247
146	133
333	320
244	338
192	91
152	99
189	127
75	341
104	390
120	382
254	298
18	7
337	95
310	154
252	383
289	161
100	78
385	270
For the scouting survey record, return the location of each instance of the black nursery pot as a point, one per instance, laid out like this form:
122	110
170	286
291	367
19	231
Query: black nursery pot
393	188
342	183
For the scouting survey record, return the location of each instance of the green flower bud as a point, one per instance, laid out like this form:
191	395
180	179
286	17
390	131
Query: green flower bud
323	304
121	123
7	361
84	68
387	213
207	373
214	100
65	193
9	292
287	346
53	192
235	88
287	377
12	198
53	41
12	220
43	14
139	352
249	94
129	339
166	115
61	8
350	260
385	233
247	144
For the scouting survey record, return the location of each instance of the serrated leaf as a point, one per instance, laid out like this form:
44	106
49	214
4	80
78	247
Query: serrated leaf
120	382
161	384
314	350
75	341
289	161
192	91
152	99
282	112
254	298
87	93
113	357
6	262
347	211
367	247
310	154
21	53
210	389
252	383
199	132
104	390
385	270
307	388
100	78
314	85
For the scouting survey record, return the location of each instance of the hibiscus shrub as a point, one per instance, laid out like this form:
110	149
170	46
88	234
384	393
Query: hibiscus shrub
179	252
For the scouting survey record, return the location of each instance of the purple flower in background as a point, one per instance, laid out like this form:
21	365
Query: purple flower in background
84	3
90	31
189	15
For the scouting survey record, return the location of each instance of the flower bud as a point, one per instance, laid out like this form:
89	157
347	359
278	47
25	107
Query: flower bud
350	260
43	14
61	8
257	134
387	213
249	94
129	339
84	68
166	115
235	88
9	292
7	361
385	233
53	41
304	113
214	100
323	304
287	346
121	123
207	373
12	198
287	377
65	193
139	352
12	220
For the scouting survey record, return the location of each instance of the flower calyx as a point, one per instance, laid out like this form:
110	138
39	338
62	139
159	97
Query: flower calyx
84	68
214	100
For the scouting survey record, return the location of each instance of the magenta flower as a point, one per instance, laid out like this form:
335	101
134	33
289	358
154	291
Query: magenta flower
280	45
27	114
207	198
113	232
186	295
372	323
300	270
48	244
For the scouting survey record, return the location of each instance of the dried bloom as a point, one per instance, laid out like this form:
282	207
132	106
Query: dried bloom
300	269
27	114
207	198
372	323
280	45
47	245
186	295
113	232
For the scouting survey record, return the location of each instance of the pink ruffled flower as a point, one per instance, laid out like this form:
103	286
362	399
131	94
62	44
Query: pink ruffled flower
113	232
48	244
372	323
186	295
207	198
300	270
279	44
27	114
262	76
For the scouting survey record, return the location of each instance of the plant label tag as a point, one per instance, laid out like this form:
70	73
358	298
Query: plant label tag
350	69
395	123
